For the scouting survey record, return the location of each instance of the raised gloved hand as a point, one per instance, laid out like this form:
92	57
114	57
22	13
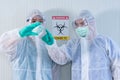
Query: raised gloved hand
27	30
48	38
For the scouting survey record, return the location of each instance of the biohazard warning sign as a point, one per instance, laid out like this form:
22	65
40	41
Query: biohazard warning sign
60	27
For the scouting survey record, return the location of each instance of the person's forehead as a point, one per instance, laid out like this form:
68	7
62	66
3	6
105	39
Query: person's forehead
37	17
80	19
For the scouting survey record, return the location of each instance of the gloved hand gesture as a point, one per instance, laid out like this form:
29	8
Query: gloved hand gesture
27	30
48	38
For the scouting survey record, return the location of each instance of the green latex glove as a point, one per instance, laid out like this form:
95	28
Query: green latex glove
48	38
27	30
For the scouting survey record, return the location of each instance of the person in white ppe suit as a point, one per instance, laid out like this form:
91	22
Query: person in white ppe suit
93	56
28	54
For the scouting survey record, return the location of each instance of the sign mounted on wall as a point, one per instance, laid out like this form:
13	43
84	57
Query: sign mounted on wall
60	27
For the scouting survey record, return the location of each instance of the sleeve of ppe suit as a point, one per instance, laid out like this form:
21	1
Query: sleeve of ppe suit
114	55
60	55
8	41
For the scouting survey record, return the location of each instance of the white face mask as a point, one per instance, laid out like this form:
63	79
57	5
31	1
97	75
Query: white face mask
82	31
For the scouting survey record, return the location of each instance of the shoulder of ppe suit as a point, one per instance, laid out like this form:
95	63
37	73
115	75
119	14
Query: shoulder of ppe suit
8	40
101	38
106	41
105	38
112	44
11	34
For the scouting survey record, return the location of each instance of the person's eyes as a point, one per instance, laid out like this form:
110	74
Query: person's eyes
33	21
41	21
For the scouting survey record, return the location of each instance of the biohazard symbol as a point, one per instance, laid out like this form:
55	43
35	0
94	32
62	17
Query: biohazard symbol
60	27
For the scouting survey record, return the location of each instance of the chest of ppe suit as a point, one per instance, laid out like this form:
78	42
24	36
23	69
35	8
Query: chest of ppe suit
93	56
29	57
103	63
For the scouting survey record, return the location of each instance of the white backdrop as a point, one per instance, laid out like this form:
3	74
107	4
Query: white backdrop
13	14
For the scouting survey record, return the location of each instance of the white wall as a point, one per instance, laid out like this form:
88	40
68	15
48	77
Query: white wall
14	12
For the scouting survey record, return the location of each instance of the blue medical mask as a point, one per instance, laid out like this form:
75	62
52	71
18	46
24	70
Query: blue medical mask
82	31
